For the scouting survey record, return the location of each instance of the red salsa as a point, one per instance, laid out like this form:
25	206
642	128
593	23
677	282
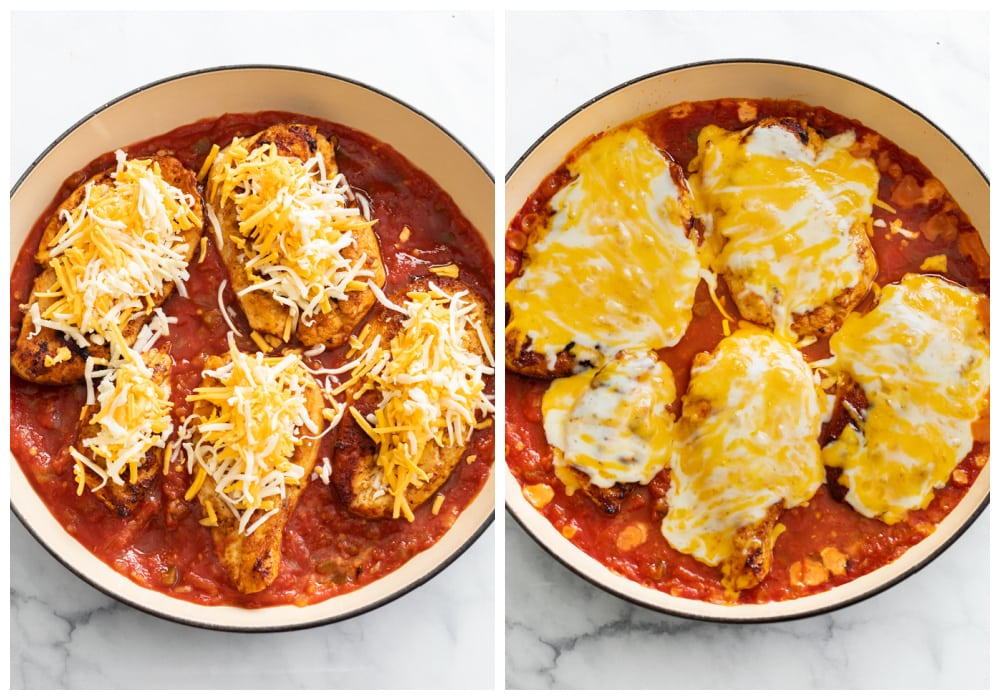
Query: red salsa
326	550
921	205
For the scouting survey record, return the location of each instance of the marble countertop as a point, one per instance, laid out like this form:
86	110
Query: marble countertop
65	634
929	631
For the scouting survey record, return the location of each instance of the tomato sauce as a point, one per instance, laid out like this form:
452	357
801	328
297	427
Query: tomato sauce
326	551
827	521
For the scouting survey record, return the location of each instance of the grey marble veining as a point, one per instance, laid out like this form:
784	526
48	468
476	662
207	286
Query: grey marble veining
67	635
929	631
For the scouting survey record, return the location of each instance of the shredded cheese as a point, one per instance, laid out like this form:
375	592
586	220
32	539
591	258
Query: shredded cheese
225	310
116	250
432	387
935	263
450	270
133	417
882	205
207	163
896	226
210	519
323	471
299	230
261	342
168	453
62	354
438	502
157	327
712	282
195	487
255	414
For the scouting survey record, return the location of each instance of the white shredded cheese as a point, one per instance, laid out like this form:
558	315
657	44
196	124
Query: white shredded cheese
432	387
257	415
116	250
297	225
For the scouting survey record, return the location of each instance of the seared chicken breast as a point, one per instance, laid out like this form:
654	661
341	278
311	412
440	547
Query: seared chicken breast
749	563
788	212
47	354
298	253
251	552
359	463
123	498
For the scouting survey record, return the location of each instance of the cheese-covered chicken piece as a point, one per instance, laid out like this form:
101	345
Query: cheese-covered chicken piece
113	253
299	251
253	445
416	394
746	449
119	448
613	424
613	267
788	212
922	358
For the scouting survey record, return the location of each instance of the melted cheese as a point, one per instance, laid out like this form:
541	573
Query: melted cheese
116	250
922	358
256	416
133	417
747	440
782	212
297	227
432	386
613	424
593	280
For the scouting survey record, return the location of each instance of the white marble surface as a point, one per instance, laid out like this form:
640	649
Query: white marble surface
931	630
63	633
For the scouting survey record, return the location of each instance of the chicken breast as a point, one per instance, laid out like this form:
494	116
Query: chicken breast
789	212
522	359
749	563
608	499
746	451
252	560
122	499
821	320
358	479
357	476
613	427
49	356
270	262
591	281
918	372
